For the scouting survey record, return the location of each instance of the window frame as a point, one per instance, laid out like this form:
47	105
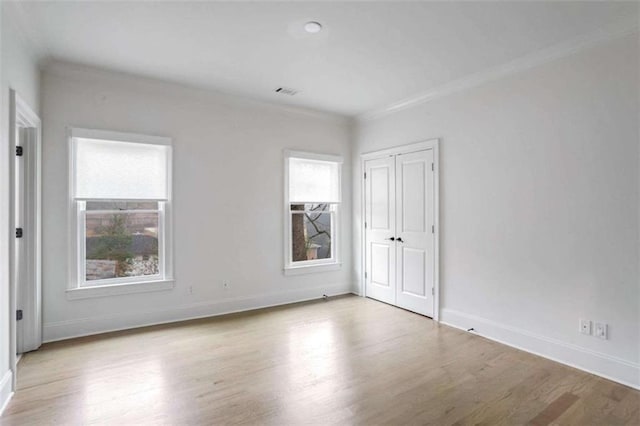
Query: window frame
316	265
79	287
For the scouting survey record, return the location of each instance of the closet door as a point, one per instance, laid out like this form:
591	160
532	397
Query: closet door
380	224
414	232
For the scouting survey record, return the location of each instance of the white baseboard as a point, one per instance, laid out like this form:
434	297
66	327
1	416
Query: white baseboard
5	390
600	364
62	330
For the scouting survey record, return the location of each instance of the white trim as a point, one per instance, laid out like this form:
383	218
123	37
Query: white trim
607	366
310	269
436	230
560	50
108	135
22	116
124	200
62	330
73	217
75	290
120	281
362	282
400	150
6	390
118	289
288	153
335	262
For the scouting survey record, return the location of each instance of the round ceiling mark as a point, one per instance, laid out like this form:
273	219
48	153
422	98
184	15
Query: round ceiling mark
313	27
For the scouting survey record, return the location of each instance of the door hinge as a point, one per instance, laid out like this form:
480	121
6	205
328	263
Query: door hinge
432	167
18	232
433	229
365	225
433	291
18	314
365	275
19	151
365	175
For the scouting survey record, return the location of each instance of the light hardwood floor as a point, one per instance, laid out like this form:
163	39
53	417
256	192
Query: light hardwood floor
348	360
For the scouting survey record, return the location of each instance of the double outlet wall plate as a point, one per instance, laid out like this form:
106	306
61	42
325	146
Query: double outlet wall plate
599	330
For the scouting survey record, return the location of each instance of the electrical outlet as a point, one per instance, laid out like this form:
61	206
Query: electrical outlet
601	331
225	285
585	326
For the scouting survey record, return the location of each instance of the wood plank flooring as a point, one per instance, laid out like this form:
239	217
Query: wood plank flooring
348	360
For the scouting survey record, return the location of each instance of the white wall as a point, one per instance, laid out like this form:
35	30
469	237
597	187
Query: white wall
539	205
19	71
228	196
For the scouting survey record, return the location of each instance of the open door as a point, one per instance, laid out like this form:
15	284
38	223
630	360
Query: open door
25	257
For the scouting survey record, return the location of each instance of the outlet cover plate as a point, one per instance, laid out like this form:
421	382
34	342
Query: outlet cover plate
585	326
601	331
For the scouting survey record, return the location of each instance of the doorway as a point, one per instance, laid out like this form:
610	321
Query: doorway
401	227
25	255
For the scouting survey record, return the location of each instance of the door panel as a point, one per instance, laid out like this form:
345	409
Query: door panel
415	253
381	206
413	271
380	261
413	196
381	258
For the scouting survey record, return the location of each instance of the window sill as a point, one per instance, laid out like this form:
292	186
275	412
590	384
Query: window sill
118	289
310	269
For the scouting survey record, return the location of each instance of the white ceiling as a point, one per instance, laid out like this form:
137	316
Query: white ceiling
370	54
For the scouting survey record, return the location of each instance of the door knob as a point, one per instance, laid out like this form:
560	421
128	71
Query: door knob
399	239
392	239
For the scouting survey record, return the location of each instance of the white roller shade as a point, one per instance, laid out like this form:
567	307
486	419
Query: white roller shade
120	170
314	181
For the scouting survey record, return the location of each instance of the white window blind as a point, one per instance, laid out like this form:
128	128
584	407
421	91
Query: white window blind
314	181
111	170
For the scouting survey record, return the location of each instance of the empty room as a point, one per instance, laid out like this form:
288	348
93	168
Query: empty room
319	212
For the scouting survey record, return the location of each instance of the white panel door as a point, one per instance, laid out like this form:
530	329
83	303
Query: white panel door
380	222
415	255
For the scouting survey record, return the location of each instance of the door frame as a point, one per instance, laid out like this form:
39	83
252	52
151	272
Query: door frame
433	144
22	116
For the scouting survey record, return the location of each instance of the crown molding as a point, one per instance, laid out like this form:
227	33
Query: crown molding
549	54
75	71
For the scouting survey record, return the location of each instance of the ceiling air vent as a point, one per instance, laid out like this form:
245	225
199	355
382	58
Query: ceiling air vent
286	91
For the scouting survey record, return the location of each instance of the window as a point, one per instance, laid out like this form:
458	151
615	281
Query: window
121	203
121	241
312	206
